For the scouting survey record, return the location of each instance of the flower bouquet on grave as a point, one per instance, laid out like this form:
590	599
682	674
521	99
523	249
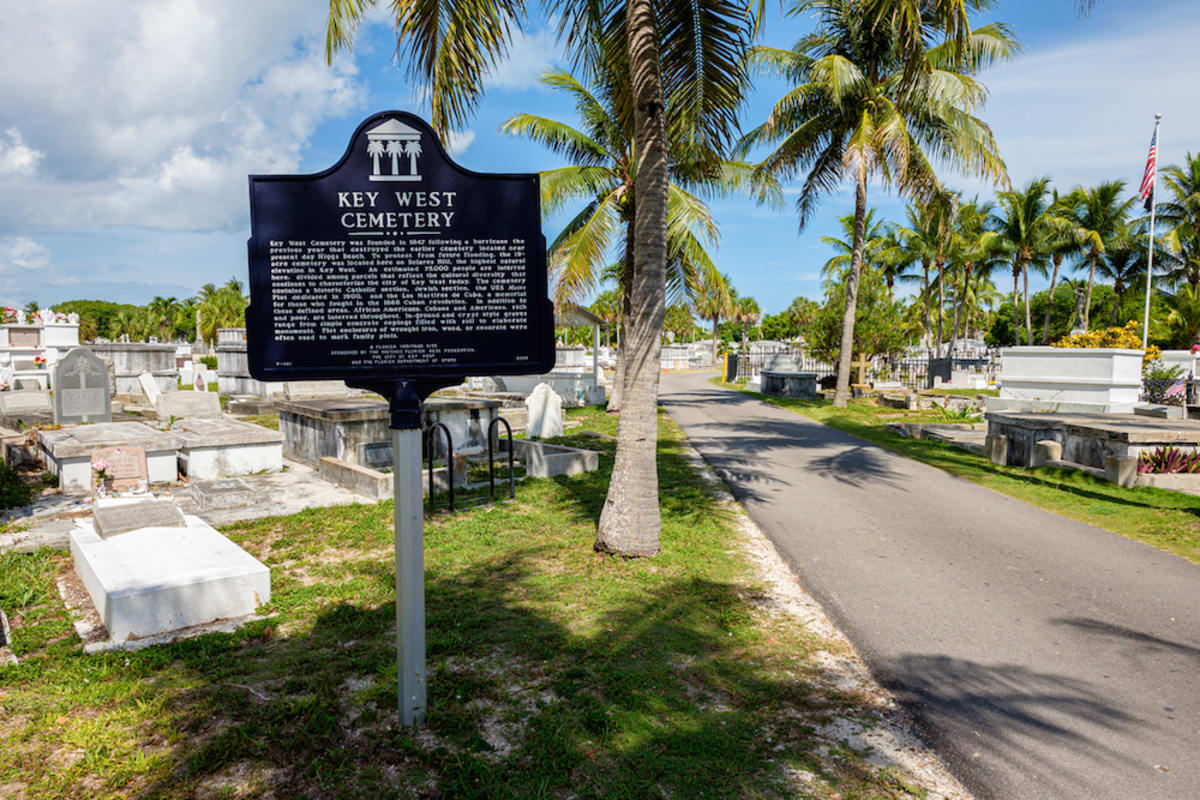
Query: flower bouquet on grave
8	316
100	467
39	362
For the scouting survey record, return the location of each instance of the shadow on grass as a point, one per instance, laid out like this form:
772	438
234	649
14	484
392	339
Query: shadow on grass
654	701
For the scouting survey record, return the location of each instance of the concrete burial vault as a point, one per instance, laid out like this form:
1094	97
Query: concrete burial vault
68	451
159	579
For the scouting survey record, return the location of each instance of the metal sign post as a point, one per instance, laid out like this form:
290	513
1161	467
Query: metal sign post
400	272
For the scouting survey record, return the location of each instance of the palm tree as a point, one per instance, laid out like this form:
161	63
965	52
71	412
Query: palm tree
976	249
604	175
1184	316
1124	263
714	302
1098	214
837	267
1028	230
930	239
375	150
1180	212
1066	243
607	306
872	97
691	52
747	313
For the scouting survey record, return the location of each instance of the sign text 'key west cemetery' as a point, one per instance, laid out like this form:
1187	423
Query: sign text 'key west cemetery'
396	263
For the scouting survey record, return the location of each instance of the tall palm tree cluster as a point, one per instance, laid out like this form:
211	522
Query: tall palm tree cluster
954	249
882	90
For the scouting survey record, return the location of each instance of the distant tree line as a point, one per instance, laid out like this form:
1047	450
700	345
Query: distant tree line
167	319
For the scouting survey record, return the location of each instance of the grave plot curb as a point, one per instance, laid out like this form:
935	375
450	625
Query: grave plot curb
888	730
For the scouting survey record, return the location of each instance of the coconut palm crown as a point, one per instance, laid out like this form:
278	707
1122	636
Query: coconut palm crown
878	96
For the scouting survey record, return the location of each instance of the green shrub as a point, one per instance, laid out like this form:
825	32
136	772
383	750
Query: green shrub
209	361
14	492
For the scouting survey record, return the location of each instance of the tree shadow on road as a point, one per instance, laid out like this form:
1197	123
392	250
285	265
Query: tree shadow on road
1016	720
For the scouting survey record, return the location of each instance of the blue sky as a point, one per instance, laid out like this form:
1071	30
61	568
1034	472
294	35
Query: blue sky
127	128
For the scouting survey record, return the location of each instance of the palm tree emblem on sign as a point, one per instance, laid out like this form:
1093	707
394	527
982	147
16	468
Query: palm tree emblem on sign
412	149
393	138
375	149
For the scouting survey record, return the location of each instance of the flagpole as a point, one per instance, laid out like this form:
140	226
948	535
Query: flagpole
1150	238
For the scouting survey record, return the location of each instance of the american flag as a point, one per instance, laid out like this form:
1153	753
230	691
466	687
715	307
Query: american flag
1146	192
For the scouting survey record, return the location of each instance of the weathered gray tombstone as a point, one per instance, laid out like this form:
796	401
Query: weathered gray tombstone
113	520
126	467
27	384
81	389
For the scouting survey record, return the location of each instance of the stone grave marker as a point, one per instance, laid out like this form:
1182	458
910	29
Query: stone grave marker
150	388
25	401
376	455
545	413
225	493
188	404
114	520
200	378
29	384
24	366
81	391
126	467
24	338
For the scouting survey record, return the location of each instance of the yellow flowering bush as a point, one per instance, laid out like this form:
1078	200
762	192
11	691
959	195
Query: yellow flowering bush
1128	337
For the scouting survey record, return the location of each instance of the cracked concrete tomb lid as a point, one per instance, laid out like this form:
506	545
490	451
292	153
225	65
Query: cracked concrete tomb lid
81	440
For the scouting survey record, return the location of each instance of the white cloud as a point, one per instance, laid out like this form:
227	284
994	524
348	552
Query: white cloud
530	55
1083	112
21	252
17	158
457	142
151	114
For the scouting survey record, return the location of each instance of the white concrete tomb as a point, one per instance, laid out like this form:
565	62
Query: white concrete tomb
545	413
155	580
222	448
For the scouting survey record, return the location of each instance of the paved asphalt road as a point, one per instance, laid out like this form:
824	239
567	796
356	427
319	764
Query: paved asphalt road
1044	658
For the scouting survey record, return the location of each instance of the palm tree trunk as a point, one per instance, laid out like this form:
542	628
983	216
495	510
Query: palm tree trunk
618	389
1087	304
1119	290
962	295
1016	303
941	272
1028	321
716	318
841	396
925	297
630	522
1050	304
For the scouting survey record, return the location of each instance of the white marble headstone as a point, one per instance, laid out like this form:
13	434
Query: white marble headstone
544	410
150	388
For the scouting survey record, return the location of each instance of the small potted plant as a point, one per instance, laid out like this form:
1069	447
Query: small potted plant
100	467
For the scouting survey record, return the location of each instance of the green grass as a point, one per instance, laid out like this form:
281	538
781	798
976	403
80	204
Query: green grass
553	671
1167	520
962	392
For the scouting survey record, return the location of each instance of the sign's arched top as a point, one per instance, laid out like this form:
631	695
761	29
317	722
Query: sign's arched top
397	263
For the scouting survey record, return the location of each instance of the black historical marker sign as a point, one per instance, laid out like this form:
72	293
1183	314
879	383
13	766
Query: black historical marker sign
397	264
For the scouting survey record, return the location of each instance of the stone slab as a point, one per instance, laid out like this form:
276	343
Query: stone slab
221	448
155	580
25	400
113	520
548	460
300	390
188	404
1160	411
126	467
224	493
